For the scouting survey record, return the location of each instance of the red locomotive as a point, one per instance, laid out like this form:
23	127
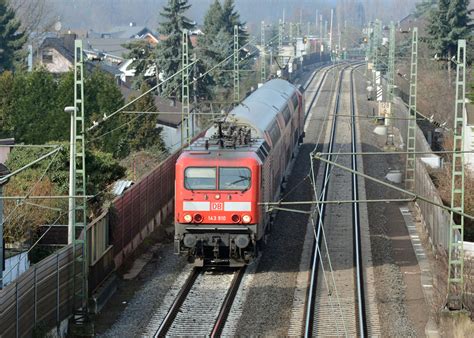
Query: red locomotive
221	178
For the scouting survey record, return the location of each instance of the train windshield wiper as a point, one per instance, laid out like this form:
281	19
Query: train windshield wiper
242	179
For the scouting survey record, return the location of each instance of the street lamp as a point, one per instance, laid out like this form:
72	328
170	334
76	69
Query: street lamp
72	177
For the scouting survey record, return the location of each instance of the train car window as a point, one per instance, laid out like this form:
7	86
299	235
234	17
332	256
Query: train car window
234	178
286	114
295	102
266	147
274	133
200	178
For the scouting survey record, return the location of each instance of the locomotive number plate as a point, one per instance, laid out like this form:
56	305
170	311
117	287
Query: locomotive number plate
216	218
217	206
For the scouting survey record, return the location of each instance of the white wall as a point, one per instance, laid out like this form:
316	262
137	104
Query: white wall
60	63
468	144
14	267
171	137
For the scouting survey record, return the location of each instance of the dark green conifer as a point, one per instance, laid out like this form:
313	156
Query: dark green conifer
448	22
169	50
11	38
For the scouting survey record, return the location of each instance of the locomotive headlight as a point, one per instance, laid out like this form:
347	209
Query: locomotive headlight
198	218
246	218
188	218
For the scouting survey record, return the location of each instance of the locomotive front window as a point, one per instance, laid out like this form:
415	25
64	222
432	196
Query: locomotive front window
234	178
200	178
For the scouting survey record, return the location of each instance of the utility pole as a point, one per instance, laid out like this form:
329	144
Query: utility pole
330	32
339	48
391	73
77	186
263	75
326	31
456	231
280	40
316	24
291	33
321	32
369	43
376	72
195	101
376	42
410	177
236	66
185	111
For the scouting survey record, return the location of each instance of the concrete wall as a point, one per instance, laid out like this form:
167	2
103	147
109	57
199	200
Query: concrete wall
435	219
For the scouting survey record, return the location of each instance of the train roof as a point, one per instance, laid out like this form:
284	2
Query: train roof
260	109
205	147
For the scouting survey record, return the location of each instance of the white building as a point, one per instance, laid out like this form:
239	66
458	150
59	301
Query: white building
469	136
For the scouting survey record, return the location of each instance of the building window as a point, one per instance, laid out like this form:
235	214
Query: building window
47	57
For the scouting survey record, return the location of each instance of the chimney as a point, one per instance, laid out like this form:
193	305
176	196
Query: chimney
68	40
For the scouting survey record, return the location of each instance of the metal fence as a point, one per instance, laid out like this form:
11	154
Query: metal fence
41	297
138	206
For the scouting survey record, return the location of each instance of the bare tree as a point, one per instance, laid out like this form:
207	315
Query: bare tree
32	14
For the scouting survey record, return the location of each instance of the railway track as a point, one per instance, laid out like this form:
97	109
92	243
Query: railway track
335	298
202	305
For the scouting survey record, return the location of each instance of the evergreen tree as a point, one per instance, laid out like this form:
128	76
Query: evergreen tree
143	56
423	7
448	23
102	96
11	40
141	130
231	18
208	57
34	108
6	104
169	52
459	22
217	43
438	27
213	22
34	96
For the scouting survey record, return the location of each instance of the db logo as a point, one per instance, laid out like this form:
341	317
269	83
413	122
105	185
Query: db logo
217	206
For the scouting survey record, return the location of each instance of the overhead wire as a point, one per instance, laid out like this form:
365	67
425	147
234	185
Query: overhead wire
320	227
175	88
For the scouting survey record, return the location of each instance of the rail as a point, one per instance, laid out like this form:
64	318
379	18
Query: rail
227	305
356	220
359	298
216	323
311	298
180	298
